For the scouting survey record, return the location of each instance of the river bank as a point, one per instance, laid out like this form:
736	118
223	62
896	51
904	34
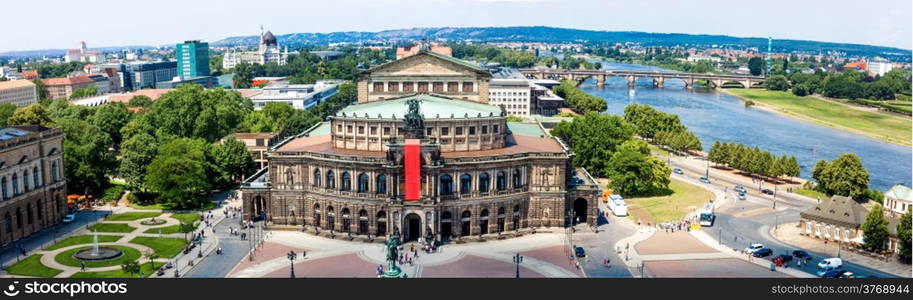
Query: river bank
884	127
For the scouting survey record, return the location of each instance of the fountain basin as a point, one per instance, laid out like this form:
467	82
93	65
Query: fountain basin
103	253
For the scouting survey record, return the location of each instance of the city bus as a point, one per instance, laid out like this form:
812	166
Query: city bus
617	205
707	216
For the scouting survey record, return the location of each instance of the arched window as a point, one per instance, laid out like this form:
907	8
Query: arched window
25	180
446	185
483	221
346	220
18	218
3	187
331	218
465	219
40	210
54	175
346	181
381	184
501	219
516	221
317	215
15	184
363	183
36	177
8	223
317	177
381	223
363	222
484	182
331	180
518	180
28	213
502	181
465	184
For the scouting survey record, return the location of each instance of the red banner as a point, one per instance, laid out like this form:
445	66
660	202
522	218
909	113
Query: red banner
413	164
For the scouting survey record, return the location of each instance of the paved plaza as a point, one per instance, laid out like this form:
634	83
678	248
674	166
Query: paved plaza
544	256
706	268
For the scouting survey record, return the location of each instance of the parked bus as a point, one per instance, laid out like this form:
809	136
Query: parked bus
707	216
617	205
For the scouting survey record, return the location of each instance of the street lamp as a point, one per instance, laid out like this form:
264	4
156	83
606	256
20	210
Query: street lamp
517	260
291	258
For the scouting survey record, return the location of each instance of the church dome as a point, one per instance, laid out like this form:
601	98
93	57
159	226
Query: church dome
268	39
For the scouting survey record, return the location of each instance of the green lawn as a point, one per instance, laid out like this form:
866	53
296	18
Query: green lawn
31	266
131	216
164	230
145	269
884	126
164	247
66	257
188	218
83	239
683	199
149	207
811	194
112	227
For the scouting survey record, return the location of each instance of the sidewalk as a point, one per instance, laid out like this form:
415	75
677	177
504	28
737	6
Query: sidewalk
789	234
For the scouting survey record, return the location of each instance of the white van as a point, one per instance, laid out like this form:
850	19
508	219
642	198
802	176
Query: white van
618	206
830	263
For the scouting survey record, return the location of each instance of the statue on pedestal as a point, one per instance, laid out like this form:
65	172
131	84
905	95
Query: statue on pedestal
392	255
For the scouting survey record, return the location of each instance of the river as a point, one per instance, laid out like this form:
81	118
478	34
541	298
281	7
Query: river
714	116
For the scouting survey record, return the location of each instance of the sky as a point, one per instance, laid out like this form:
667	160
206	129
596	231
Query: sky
102	23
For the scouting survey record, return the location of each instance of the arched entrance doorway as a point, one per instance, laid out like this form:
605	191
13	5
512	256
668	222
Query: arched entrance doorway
579	211
464	223
446	226
483	222
259	209
412	227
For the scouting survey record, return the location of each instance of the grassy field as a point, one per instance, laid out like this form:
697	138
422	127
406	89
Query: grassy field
164	247
164	230
112	227
146	269
131	216
811	194
31	266
83	239
66	257
884	126
188	218
149	207
682	199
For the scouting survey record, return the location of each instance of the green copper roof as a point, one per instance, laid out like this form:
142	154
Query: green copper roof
900	192
526	129
432	107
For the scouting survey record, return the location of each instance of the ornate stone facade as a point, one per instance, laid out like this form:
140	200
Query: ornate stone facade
347	176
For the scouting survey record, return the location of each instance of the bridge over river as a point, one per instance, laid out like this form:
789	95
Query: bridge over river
658	77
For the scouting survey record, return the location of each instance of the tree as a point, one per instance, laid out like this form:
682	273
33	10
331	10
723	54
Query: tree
40	89
875	229
756	65
633	171
136	154
150	257
6	111
192	112
186	227
33	114
178	174
111	118
87	157
802	90
131	267
88	91
271	118
844	176
904	235
593	137
140	101
233	160
776	83
244	75
792	167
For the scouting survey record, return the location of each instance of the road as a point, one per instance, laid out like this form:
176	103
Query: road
601	245
739	232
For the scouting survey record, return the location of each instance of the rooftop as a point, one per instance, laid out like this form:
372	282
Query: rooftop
837	209
432	107
514	144
11	84
68	80
900	192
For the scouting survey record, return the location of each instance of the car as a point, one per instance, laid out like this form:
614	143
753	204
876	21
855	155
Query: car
801	254
767	191
705	180
832	263
69	218
763	252
741	196
579	251
740	189
847	275
753	247
830	273
678	171
784	258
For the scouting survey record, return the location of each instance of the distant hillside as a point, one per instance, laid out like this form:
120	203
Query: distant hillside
552	34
